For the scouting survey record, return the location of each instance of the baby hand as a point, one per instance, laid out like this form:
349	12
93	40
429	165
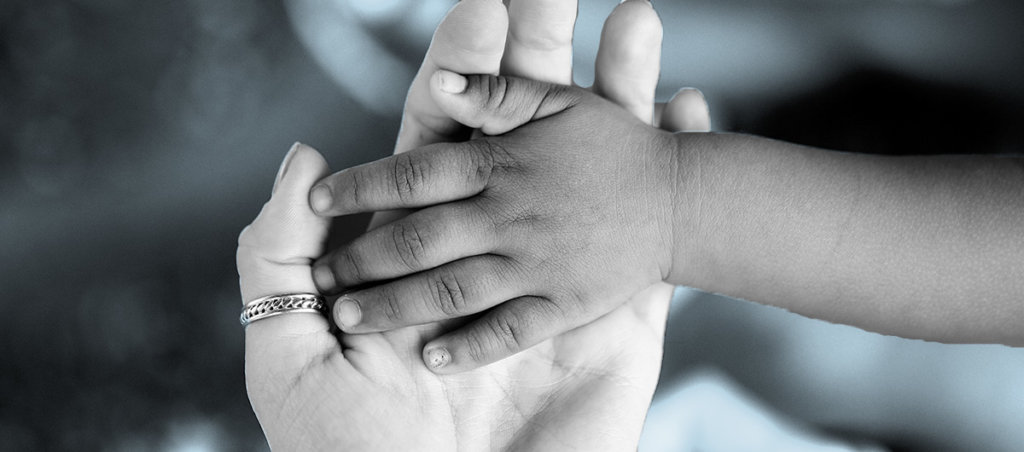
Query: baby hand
548	223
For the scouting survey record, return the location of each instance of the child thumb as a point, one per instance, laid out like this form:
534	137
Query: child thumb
496	104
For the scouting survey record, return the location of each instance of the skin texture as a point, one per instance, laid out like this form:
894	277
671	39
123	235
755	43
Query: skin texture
540	32
925	247
506	237
313	389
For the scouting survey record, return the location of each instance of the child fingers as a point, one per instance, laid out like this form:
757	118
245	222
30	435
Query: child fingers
470	39
457	289
503	331
423	240
431	175
498	104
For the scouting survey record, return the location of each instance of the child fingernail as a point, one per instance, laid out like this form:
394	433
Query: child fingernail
347	312
437	357
320	198
323	277
451	82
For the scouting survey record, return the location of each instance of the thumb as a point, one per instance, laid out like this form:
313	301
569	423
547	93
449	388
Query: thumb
274	257
275	251
496	104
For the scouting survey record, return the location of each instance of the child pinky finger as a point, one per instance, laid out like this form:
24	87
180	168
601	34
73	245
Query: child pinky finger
503	331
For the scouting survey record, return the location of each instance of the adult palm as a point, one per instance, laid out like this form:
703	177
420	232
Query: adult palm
589	388
312	390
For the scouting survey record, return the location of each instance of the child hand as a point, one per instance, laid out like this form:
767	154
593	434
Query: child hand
551	224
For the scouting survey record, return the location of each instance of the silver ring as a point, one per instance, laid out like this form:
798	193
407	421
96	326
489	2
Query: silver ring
262	308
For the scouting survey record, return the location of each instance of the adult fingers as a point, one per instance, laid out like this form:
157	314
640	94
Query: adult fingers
687	111
539	44
453	290
498	104
629	58
470	39
431	175
423	240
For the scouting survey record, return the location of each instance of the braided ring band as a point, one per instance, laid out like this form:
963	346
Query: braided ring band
262	308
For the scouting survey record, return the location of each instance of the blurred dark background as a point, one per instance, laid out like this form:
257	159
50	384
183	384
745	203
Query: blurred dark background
138	138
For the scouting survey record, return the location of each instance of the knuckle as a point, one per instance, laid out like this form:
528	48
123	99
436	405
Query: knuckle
504	329
482	161
514	218
486	158
568	304
390	307
245	238
491	92
547	39
449	297
409	174
409	244
491	153
359	190
497	93
475	346
507	328
247	246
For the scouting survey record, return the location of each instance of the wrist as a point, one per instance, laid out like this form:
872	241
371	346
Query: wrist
688	207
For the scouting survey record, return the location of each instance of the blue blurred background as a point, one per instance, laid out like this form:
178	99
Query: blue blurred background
138	138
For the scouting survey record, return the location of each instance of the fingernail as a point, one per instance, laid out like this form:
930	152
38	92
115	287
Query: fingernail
284	166
437	357
694	93
451	82
691	92
320	198
347	312
323	277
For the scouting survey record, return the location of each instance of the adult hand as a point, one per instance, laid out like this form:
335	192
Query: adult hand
311	389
